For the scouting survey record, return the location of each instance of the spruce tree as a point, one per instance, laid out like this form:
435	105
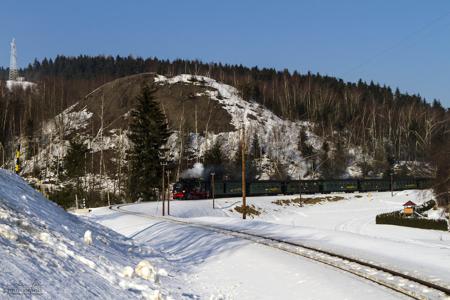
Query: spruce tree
73	169
74	160
324	161
254	157
255	152
303	146
215	160
214	156
148	133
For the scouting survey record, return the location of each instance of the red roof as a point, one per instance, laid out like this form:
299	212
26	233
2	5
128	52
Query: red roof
409	203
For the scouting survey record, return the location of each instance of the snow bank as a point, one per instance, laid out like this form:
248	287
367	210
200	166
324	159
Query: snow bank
145	270
45	250
88	237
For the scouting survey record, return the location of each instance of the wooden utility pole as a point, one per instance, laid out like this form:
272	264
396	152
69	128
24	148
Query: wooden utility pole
213	189
3	154
300	187
168	192
244	200
163	163
392	184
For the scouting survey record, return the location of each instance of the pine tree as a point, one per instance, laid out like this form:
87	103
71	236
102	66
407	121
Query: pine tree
303	146
214	156
74	159
340	160
324	161
215	160
73	166
255	152
254	158
148	133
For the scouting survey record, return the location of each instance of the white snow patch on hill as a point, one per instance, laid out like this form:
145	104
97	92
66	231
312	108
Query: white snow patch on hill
11	84
278	137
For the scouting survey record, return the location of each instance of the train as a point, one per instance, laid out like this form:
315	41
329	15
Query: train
189	189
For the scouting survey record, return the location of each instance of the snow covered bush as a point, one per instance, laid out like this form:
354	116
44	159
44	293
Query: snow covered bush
425	206
7	232
128	272
145	270
88	237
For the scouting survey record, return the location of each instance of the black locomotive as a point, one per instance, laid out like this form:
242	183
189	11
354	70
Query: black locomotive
201	189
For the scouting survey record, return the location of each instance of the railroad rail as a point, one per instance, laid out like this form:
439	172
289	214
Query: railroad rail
403	283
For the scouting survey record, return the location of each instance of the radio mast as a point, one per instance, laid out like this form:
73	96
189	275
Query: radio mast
13	72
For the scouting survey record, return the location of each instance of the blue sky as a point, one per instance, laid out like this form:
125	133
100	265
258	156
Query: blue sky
401	43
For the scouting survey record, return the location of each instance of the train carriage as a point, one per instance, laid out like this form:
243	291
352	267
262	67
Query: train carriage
303	186
257	188
200	189
424	183
233	188
369	185
404	184
219	189
344	185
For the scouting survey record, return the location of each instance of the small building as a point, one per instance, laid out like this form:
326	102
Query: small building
408	208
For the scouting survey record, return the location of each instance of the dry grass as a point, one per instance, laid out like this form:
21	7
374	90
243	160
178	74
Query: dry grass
307	201
251	210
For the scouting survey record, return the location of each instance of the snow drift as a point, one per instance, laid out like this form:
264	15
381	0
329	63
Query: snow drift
43	252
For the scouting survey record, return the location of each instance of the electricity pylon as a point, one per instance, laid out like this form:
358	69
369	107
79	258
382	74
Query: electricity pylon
13	72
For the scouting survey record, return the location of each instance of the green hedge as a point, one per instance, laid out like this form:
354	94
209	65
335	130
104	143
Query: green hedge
412	222
425	206
396	218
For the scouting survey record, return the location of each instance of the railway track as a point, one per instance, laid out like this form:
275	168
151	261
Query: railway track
403	283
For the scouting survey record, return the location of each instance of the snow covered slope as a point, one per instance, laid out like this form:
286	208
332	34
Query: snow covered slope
278	137
44	252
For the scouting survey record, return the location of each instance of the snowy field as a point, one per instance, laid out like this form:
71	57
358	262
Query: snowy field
46	253
215	266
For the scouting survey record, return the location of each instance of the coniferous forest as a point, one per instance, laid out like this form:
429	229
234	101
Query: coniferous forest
385	123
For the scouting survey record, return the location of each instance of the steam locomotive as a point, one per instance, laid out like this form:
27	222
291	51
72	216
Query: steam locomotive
188	189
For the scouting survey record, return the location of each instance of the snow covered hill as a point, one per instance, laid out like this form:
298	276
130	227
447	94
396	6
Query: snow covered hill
279	138
46	253
200	111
